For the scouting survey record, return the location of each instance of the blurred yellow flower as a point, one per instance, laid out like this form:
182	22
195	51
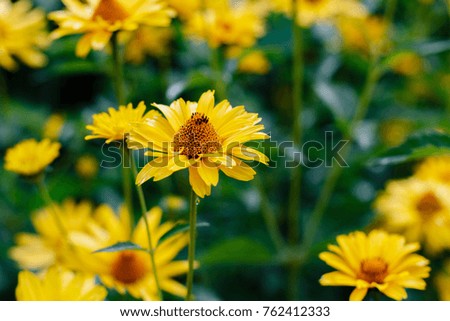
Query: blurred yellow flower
221	23
202	137
442	282
48	247
23	34
376	260
393	132
148	41
254	62
116	124
53	126
418	209
98	19
87	166
407	64
435	169
174	203
30	157
185	8
58	284
310	12
130	270
365	35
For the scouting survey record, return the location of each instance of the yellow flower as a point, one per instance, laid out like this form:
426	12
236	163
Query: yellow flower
418	209
53	126
185	8
58	284
22	34
130	270
116	124
30	157
174	203
148	41
87	166
365	35
377	260
435	169
310	12
407	64
223	24
201	137
48	247
442	282
393	132
254	62
98	19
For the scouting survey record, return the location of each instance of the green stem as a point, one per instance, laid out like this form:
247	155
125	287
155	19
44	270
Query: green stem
191	250
372	78
293	214
50	204
217	69
117	69
4	97
151	251
126	181
391	7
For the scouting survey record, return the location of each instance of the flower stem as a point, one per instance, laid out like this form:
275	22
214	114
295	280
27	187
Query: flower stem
191	250
49	202
217	69
117	69
4	97
151	251
126	181
293	214
372	78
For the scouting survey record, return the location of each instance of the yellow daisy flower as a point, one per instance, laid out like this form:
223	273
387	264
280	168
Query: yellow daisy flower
23	34
130	270
116	124
148	41
435	169
377	260
223	24
310	12
98	19
53	126
30	157
254	62
407	64
185	8
442	282
87	166
418	209
201	137
58	284
48	247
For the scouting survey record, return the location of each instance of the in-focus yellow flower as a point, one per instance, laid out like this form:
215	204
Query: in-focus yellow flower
435	169
58	284
115	125
376	260
221	23
442	282
98	19
48	247
23	34
201	137
53	126
365	35
30	157
407	64
130	270
148	41
254	62
86	166
185	8
418	209
310	12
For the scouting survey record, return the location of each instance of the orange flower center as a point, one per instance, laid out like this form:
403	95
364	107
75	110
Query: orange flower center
128	267
111	11
428	205
373	270
196	137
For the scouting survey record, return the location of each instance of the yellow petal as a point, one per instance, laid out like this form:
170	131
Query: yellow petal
337	262
198	184
241	171
358	294
337	278
395	292
209	174
206	103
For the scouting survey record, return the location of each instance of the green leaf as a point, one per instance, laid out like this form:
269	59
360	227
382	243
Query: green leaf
240	250
181	227
418	146
121	246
